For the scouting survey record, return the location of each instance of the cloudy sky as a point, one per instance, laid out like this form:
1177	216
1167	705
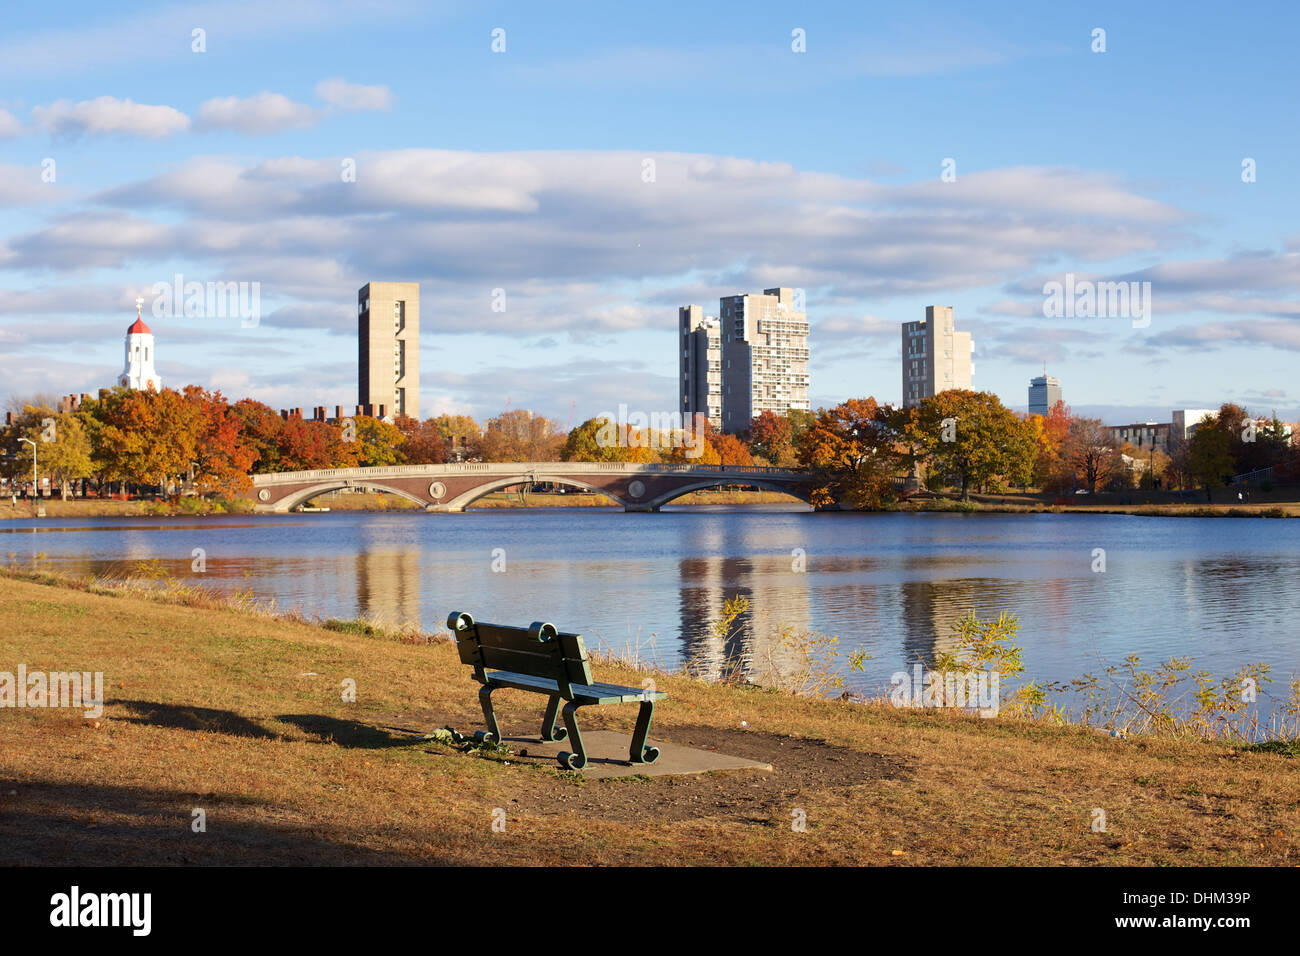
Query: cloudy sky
128	157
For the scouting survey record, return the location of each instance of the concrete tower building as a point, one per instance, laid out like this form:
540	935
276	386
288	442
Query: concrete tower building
138	372
764	356
1044	392
388	348
936	357
701	365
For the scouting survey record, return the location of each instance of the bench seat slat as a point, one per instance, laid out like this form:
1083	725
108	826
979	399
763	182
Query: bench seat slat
596	692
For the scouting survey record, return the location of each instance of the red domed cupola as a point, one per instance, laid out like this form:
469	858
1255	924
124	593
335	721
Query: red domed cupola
138	327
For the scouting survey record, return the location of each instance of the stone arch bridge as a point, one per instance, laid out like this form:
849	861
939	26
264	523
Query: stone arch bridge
635	487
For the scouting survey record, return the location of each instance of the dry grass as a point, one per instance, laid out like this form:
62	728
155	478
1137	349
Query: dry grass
1275	504
241	714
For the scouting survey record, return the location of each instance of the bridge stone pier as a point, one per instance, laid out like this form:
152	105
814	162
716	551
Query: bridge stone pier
636	487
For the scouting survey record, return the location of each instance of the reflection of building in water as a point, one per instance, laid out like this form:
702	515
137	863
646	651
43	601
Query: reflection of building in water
388	585
756	644
929	611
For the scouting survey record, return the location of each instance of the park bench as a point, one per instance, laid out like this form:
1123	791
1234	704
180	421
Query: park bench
541	659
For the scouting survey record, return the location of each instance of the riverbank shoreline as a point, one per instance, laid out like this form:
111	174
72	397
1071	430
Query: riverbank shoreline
365	502
1264	505
226	706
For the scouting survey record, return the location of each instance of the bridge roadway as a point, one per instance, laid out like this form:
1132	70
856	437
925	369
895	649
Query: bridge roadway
636	487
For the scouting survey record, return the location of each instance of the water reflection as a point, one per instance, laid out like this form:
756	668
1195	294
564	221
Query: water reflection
1223	592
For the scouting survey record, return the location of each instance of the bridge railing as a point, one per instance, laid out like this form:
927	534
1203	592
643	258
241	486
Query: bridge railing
523	469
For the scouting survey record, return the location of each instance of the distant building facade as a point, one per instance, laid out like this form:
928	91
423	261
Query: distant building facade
936	357
764	356
1143	436
1184	420
701	365
388	348
1044	392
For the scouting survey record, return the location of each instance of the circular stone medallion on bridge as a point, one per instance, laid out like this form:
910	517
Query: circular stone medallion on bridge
264	495
437	489
636	488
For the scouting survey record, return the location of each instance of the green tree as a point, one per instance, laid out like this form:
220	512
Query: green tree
1210	455
66	457
974	438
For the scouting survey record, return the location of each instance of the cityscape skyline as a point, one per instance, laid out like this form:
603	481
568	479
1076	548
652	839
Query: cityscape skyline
557	254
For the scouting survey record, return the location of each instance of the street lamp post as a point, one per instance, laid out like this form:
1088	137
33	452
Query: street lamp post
36	488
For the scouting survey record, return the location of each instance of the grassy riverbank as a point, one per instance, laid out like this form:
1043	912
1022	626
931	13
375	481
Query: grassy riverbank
1275	504
231	710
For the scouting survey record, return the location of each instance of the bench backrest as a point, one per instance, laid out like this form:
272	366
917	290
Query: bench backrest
538	650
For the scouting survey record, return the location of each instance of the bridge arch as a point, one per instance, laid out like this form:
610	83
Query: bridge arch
722	481
465	499
296	498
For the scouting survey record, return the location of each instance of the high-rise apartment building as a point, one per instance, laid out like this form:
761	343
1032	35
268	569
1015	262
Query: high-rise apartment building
388	347
701	365
764	356
1044	392
936	357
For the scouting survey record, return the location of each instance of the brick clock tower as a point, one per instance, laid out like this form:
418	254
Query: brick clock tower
139	373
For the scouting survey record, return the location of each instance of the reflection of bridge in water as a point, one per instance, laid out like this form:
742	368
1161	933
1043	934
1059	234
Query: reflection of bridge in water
633	486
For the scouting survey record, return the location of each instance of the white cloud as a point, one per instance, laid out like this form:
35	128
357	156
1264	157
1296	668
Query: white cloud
342	95
107	115
9	125
24	186
1278	333
256	115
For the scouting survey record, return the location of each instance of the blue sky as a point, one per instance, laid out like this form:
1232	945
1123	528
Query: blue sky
522	170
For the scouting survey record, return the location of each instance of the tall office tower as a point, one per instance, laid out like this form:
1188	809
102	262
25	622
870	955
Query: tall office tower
388	348
701	366
1044	392
936	357
764	357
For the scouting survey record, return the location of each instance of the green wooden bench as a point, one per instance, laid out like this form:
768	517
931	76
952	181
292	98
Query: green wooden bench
540	659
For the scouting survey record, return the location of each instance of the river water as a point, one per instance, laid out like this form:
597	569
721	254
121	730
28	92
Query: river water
1223	591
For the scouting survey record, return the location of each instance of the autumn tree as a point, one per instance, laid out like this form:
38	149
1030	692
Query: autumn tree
850	450
376	442
223	457
1050	432
147	437
460	432
1091	453
307	445
730	449
422	442
519	435
771	438
259	429
603	439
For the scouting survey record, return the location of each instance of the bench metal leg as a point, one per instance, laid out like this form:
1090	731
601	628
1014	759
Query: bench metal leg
639	753
493	732
578	759
551	730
